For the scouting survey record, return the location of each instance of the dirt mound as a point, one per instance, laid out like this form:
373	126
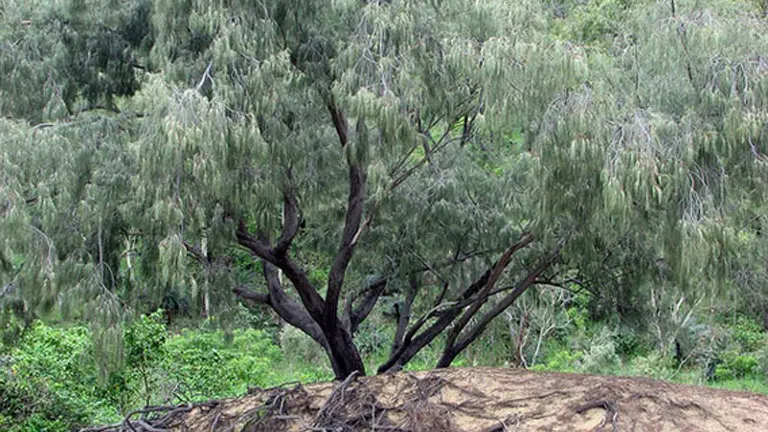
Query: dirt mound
479	399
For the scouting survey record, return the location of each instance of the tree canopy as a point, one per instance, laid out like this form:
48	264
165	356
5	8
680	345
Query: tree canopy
315	157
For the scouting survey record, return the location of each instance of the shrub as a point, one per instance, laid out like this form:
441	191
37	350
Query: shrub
561	361
747	333
654	365
735	365
601	357
144	348
629	344
211	367
300	348
48	383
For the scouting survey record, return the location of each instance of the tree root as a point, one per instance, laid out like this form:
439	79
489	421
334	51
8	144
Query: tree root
152	418
610	412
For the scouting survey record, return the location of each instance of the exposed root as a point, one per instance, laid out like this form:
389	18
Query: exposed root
476	400
610	412
152	419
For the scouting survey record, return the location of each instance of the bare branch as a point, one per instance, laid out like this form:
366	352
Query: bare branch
359	313
451	351
291	223
496	273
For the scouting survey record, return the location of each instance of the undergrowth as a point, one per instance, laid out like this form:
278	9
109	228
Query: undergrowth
49	380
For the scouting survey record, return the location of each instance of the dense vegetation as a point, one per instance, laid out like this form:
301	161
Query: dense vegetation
197	197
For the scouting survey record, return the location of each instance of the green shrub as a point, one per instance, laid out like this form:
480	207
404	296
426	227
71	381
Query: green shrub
144	348
560	361
298	348
747	333
653	365
601	357
735	365
629	344
49	382
210	367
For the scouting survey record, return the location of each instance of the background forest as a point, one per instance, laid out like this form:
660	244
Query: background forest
200	197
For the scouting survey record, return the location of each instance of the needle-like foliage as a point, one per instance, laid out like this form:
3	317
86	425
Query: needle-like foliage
316	156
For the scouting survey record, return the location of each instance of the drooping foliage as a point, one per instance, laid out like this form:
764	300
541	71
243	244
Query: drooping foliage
314	157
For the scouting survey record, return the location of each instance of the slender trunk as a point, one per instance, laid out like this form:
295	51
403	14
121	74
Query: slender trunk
206	302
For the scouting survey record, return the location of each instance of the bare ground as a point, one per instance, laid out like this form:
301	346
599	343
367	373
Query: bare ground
476	399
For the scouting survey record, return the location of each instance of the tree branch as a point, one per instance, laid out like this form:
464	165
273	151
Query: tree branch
353	219
257	247
451	351
291	222
359	313
307	292
197	253
286	308
496	273
412	344
404	313
251	296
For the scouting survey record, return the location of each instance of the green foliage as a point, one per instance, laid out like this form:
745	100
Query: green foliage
210	367
632	133
747	333
735	365
654	365
628	343
589	21
60	57
49	382
299	351
561	360
601	356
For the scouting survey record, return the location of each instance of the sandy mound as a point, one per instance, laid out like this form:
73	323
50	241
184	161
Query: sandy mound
480	399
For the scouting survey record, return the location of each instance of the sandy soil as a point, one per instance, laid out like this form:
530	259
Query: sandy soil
483	400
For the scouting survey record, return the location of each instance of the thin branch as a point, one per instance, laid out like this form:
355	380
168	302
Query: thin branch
496	273
291	223
450	352
358	314
251	296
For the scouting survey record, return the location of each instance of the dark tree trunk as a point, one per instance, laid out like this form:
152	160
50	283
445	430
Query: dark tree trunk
344	354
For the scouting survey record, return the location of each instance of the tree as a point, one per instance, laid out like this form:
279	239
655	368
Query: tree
447	155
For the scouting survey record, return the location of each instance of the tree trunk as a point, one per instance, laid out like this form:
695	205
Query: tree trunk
343	353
